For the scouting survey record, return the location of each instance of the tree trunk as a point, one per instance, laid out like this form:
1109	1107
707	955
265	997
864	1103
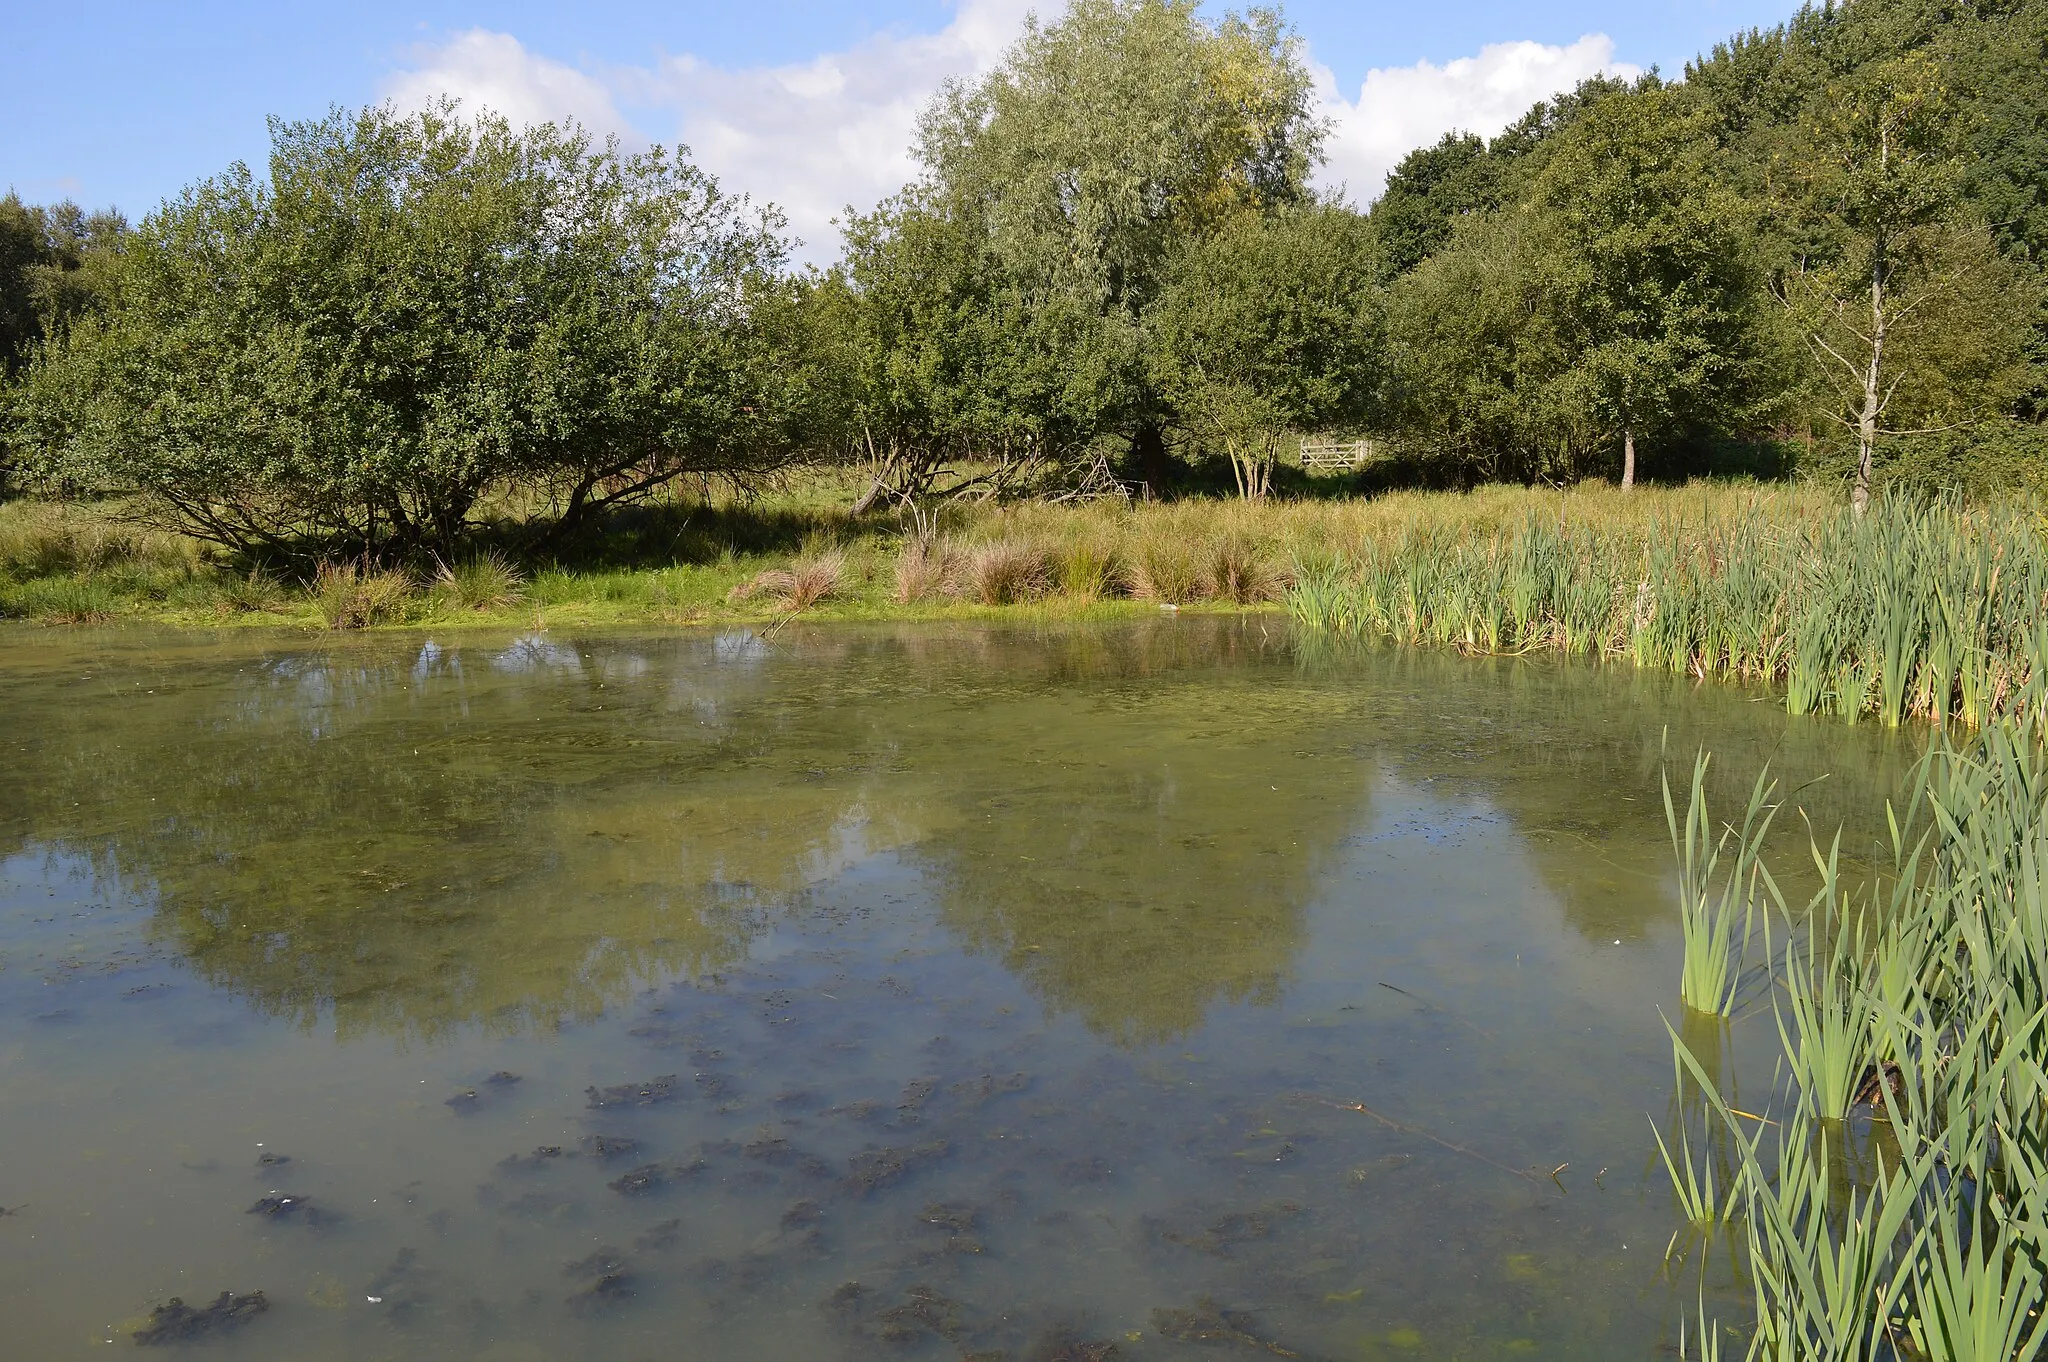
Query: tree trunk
1149	450
1628	459
1873	400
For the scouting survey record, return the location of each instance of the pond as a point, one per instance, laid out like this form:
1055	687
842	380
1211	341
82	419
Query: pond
944	991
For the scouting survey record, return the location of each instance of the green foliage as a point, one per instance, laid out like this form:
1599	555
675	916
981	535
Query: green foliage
1614	301
1005	295
1914	317
1270	326
1427	192
1987	460
1701	256
409	316
54	265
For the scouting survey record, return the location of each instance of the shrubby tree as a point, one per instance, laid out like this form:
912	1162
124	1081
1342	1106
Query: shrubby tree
55	262
54	265
1268	327
1008	290
1648	269
419	322
1428	191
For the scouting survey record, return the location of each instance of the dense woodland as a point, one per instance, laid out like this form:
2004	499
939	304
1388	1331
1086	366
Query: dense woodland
1819	253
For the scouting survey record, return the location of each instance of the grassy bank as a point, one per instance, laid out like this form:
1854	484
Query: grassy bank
705	562
1919	610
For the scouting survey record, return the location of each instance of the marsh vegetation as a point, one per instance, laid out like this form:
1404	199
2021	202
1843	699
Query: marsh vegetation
1888	1198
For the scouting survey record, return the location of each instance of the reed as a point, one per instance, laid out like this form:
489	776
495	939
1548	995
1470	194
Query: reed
1926	610
1716	928
1919	1230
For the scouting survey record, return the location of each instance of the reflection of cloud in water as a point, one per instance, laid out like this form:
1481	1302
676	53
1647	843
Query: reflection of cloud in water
739	646
536	652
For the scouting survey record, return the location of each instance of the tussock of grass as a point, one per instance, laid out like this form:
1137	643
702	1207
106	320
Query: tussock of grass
1165	568
802	584
357	595
483	581
1241	573
925	569
1007	572
1089	568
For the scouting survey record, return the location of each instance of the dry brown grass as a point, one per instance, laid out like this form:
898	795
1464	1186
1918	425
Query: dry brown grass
1007	572
801	585
926	568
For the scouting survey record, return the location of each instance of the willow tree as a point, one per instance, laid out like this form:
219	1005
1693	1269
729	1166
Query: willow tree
415	323
1055	192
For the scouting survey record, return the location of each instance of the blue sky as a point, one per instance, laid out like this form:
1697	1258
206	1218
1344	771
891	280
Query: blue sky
795	102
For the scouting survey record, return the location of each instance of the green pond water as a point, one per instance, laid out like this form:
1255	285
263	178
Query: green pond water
917	992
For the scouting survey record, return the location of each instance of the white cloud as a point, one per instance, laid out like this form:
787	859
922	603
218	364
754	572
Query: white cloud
1400	108
495	71
813	137
819	135
810	137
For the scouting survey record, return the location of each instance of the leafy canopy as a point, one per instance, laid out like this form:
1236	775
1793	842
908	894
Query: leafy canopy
414	322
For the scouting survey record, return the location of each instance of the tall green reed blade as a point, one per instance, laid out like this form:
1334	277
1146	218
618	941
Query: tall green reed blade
1977	1282
1828	1277
1830	1034
1715	929
1707	1194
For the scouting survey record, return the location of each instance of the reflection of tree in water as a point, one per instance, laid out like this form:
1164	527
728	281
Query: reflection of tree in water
1137	861
1138	815
425	841
1133	818
1571	754
540	854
